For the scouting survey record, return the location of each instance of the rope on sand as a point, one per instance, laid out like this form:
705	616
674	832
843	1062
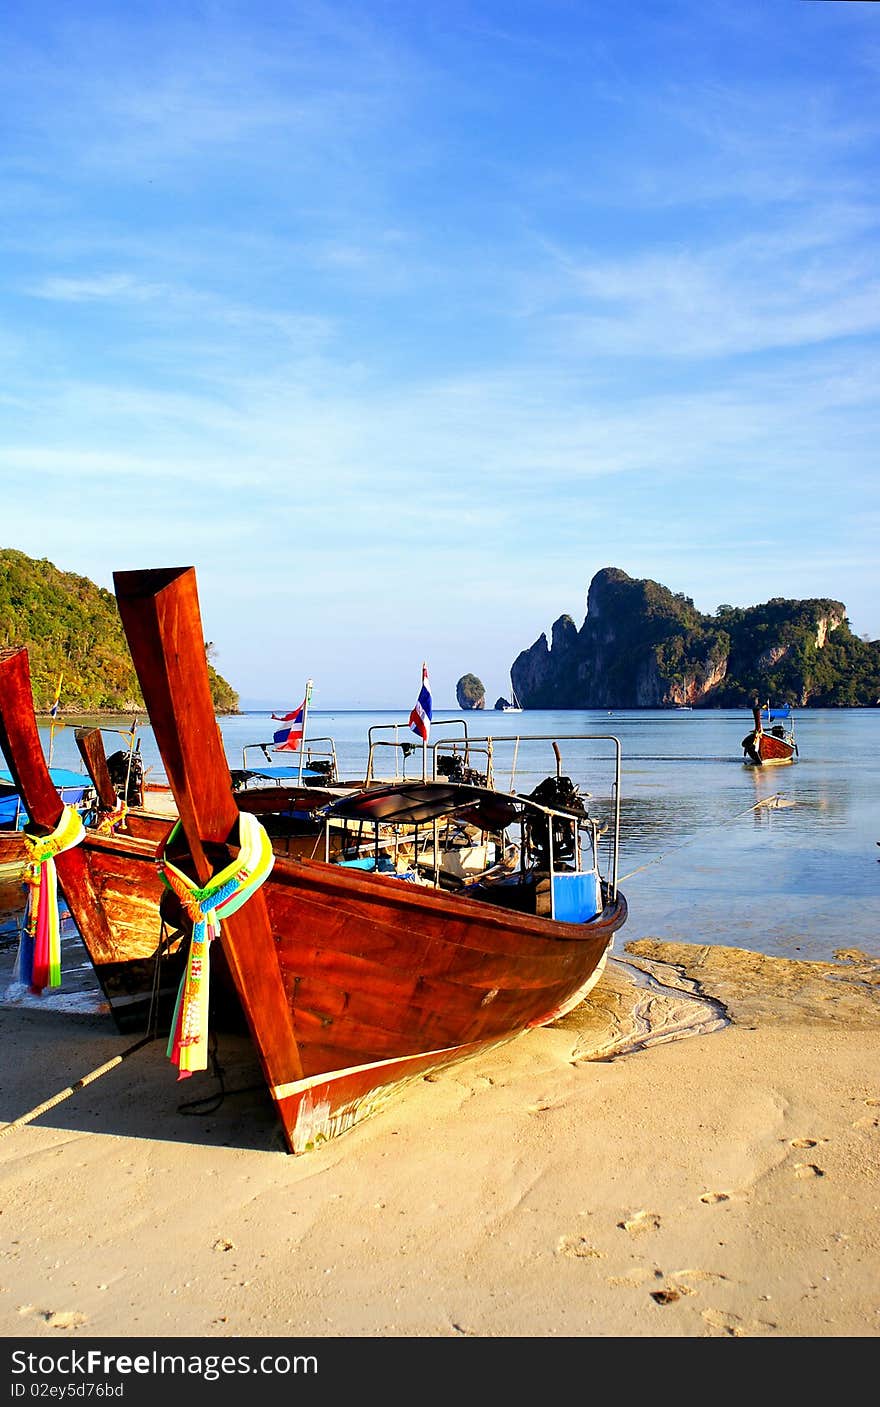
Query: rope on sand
777	801
72	1089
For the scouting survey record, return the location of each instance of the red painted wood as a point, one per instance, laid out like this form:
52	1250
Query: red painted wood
21	746
162	621
90	743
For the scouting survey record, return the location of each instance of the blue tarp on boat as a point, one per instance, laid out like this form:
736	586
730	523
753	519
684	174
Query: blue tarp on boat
72	787
61	777
12	813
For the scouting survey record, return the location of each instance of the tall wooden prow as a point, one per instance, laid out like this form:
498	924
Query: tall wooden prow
162	622
91	749
21	746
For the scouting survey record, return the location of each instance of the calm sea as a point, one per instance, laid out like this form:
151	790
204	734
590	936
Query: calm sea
782	861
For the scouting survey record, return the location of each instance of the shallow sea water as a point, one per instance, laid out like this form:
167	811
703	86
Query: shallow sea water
781	861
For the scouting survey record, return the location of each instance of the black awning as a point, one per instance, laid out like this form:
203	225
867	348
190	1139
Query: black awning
415	803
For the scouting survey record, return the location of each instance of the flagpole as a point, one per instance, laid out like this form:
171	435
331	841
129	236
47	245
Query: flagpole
130	758
54	714
302	746
425	744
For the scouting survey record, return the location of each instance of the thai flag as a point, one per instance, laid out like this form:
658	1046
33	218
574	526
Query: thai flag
420	718
289	739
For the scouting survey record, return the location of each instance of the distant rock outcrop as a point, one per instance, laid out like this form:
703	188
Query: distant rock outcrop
644	646
470	692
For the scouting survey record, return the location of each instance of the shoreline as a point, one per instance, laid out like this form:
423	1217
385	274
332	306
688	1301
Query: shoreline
693	1152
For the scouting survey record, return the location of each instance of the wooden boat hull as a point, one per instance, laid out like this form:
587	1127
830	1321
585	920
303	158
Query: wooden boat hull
764	750
12	856
375	968
768	749
775	751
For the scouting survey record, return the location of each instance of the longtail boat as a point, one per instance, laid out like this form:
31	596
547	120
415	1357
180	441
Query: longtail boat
774	744
352	983
109	881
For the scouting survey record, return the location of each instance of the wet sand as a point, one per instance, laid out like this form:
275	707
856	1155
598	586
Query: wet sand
692	1153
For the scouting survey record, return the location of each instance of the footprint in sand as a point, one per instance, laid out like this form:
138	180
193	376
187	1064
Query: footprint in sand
579	1247
806	1142
729	1324
710	1198
634	1279
868	1121
808	1170
678	1275
640	1221
733	1326
65	1319
677	1288
56	1318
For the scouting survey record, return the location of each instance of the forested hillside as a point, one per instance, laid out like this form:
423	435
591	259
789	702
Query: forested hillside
72	630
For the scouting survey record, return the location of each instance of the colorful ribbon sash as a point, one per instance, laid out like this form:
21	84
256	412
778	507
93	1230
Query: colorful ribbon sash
111	820
39	955
224	893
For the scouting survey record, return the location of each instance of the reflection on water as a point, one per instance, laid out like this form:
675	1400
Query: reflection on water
705	859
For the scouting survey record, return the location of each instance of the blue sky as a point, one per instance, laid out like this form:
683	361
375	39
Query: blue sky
399	321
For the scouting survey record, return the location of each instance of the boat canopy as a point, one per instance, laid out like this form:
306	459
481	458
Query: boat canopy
242	775
61	777
73	789
783	712
416	803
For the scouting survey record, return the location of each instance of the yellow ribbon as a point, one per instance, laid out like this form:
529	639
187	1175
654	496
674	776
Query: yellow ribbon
225	892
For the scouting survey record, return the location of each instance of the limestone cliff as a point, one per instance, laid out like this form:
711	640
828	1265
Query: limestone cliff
644	646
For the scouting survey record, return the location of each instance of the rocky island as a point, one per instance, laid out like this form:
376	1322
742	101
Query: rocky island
644	646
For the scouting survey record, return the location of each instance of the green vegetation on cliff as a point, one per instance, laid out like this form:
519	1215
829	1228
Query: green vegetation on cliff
71	628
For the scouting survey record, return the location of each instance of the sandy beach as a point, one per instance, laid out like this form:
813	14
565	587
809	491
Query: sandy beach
692	1153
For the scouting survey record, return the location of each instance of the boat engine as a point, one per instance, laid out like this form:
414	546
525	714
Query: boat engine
454	770
117	766
561	794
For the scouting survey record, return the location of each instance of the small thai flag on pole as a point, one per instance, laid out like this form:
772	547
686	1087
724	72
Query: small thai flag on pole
420	718
288	739
56	721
